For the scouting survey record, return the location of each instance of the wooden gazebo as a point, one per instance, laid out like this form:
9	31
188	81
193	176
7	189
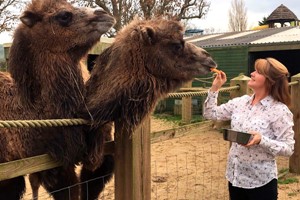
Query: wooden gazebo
281	15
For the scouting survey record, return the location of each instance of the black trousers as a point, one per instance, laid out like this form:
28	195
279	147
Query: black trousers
266	192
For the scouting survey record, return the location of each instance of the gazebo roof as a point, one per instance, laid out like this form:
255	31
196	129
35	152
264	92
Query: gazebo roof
282	14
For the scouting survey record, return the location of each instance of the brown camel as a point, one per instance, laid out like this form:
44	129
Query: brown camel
45	82
148	60
34	179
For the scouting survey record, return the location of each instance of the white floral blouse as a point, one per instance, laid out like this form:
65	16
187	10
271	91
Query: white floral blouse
255	166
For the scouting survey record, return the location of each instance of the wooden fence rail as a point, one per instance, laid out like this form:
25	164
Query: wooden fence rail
133	151
295	90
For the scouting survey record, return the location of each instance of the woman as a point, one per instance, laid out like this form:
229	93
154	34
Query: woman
251	168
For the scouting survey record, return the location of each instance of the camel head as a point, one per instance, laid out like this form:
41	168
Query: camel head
166	54
147	60
48	44
57	26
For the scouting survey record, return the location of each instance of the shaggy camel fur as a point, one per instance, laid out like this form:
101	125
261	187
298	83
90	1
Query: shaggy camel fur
46	83
148	60
34	178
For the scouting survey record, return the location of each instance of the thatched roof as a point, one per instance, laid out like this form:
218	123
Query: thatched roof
282	14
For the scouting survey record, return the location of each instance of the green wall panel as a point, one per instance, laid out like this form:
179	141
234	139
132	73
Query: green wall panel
231	60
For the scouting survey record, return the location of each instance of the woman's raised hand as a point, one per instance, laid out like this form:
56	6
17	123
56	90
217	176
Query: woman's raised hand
219	80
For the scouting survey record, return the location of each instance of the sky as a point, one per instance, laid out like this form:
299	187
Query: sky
217	17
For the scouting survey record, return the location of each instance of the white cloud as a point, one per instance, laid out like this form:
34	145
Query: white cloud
217	16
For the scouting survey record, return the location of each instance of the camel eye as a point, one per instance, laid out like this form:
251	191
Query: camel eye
64	18
178	46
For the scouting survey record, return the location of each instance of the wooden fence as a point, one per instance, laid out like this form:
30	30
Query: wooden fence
133	151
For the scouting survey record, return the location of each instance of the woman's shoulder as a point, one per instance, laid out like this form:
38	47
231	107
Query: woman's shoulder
283	106
280	107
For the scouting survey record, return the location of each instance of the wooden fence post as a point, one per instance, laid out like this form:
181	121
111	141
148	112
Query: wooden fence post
186	106
294	163
132	162
242	81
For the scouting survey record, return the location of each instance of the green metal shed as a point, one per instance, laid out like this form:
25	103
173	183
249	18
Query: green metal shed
236	52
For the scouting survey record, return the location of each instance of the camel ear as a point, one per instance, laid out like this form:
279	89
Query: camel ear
30	19
148	35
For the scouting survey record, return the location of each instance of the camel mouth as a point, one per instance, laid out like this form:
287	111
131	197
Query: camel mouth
105	18
209	65
204	71
109	20
102	23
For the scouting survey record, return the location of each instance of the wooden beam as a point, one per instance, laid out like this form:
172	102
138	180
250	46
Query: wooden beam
242	81
294	162
186	109
26	166
34	164
274	47
132	162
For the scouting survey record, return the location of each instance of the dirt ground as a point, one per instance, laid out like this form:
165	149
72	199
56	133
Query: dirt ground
191	167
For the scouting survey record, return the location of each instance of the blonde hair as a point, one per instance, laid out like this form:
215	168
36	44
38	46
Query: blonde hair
276	78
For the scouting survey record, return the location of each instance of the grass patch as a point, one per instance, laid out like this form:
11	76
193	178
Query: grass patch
283	170
287	178
292	194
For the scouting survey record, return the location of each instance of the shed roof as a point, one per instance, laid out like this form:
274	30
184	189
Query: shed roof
282	14
244	38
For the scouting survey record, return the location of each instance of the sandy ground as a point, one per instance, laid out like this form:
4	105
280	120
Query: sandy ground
191	167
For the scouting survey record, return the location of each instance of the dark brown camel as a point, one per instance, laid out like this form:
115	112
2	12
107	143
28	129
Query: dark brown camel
34	179
148	60
45	82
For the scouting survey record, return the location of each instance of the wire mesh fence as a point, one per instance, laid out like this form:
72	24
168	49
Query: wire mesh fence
192	169
189	167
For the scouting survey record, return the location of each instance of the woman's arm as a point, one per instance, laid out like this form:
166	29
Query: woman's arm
222	112
283	145
210	108
219	80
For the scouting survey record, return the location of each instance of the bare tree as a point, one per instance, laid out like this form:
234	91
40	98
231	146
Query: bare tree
237	16
125	10
9	13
